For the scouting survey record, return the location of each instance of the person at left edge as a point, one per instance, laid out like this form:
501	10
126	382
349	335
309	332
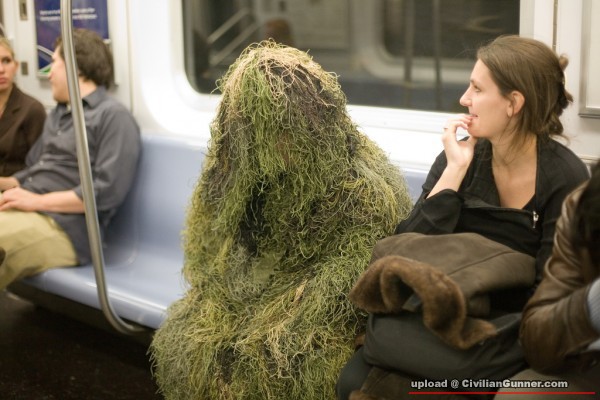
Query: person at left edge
42	221
21	116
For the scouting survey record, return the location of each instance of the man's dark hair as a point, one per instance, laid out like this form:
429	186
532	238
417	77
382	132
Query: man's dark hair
94	59
587	217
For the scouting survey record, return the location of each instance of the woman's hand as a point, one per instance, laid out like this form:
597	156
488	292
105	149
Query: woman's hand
8	182
458	153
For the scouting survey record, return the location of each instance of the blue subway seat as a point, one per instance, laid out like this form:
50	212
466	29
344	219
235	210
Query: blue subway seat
415	177
143	253
143	248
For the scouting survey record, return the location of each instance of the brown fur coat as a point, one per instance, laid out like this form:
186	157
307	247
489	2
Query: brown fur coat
446	277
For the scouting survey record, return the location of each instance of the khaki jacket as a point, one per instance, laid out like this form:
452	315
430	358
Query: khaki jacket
556	327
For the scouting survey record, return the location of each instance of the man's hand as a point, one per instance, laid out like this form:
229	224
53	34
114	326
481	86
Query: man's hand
19	199
24	200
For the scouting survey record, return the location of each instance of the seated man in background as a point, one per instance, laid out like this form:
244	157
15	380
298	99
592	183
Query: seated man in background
42	220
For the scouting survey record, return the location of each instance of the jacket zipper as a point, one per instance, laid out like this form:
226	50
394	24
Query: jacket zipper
534	215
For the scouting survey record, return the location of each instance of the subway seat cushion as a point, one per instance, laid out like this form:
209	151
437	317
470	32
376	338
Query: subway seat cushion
143	249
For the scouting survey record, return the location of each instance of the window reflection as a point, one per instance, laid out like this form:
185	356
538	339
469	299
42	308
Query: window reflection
413	54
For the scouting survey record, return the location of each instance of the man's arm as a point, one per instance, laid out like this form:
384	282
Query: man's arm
61	202
116	156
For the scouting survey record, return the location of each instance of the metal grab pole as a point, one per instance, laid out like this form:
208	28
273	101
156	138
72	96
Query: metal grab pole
85	172
437	53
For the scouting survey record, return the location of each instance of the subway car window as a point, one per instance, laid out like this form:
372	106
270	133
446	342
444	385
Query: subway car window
414	54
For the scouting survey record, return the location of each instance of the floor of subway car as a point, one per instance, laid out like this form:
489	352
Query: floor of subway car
47	356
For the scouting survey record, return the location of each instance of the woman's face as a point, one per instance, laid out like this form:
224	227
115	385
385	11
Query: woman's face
8	69
490	110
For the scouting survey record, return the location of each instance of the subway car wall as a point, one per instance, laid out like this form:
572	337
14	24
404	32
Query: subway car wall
402	64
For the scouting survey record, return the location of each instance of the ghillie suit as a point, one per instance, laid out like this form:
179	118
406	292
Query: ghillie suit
290	203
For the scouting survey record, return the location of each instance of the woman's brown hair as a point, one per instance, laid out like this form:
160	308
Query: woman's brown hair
537	72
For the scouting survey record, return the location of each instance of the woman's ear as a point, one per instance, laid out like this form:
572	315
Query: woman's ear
517	100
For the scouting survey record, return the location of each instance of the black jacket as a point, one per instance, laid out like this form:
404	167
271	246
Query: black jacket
476	205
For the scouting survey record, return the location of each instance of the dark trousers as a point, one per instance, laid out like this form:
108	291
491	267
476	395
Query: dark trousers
353	375
374	383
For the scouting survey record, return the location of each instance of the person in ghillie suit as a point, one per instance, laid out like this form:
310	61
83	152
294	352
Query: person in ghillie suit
290	203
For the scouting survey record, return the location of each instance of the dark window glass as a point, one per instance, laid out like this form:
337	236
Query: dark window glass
414	54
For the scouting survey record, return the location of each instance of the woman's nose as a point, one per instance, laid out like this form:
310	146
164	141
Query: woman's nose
465	99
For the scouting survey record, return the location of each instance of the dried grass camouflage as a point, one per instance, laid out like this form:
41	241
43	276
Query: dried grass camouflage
290	203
